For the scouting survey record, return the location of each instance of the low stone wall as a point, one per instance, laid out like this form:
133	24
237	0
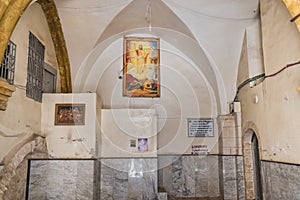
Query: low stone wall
13	174
280	180
108	178
202	176
128	178
189	176
61	179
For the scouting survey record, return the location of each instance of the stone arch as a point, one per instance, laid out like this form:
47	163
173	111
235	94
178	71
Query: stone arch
294	9
15	164
248	158
10	13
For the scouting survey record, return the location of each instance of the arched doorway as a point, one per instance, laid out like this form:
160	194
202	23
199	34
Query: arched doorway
252	166
256	168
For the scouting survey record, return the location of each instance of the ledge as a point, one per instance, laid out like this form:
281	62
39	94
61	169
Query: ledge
6	91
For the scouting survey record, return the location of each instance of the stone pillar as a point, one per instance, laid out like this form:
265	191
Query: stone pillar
230	144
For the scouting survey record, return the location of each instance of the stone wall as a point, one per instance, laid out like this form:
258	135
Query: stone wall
61	179
232	181
232	178
124	178
128	178
17	184
280	180
189	175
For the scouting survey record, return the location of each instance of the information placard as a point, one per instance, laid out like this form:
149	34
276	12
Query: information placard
201	127
199	149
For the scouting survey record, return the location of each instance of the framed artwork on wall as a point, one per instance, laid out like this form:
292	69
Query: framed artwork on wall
141	67
142	144
69	114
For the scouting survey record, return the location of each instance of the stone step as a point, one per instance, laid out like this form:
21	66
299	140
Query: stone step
194	198
162	196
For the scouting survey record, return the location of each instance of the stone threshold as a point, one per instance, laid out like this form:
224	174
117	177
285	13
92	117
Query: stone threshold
193	198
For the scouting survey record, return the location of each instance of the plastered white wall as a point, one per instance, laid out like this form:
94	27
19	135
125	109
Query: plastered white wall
271	108
69	141
121	126
217	26
23	115
184	94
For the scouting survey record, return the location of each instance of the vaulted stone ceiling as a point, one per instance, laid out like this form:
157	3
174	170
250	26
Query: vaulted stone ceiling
210	33
216	26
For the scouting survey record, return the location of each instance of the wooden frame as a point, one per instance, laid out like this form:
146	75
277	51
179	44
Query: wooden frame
141	67
69	114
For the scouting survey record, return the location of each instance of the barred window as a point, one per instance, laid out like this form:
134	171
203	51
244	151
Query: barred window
35	68
7	69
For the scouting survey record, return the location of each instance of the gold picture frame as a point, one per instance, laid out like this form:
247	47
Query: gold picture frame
69	114
141	67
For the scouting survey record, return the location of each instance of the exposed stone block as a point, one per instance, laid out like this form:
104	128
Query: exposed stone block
14	172
6	91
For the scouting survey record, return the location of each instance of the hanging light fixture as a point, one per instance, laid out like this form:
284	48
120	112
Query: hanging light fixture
148	15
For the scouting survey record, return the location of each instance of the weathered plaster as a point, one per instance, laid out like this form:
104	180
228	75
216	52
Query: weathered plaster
269	108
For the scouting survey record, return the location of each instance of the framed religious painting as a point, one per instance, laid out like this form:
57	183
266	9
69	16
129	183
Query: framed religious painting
69	114
141	67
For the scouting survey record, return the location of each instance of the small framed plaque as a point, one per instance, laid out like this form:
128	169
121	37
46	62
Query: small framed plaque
142	144
200	127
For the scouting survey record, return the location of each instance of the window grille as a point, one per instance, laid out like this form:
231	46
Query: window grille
35	68
7	69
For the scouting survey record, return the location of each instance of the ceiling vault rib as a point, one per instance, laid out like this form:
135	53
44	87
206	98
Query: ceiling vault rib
294	9
62	57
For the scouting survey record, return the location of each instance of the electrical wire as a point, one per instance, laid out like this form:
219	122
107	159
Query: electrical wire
287	66
189	10
249	80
